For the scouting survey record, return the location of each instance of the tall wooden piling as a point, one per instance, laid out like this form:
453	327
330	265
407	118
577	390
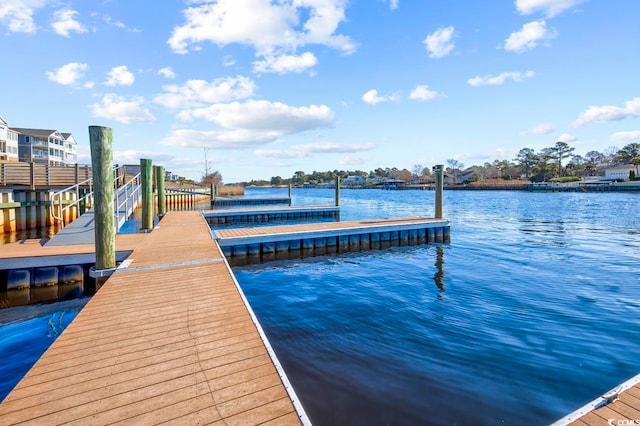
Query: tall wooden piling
146	173
289	194
213	192
162	202
101	141
439	175
337	191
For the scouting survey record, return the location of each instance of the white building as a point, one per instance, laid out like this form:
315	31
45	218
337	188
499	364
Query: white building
8	142
619	172
46	146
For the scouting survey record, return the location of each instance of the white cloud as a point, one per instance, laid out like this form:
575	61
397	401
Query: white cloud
194	93
393	4
228	61
64	22
439	43
274	118
226	139
68	74
628	136
500	79
271	28
528	36
607	113
305	150
423	93
167	72
17	15
566	137
550	8
372	97
110	21
120	109
120	76
285	63
541	129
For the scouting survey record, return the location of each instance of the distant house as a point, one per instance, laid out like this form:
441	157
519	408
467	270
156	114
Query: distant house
354	181
8	142
619	172
46	146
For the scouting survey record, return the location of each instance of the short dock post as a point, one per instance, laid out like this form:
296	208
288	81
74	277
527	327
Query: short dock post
101	140
439	172
289	194
337	191
212	191
147	194
162	201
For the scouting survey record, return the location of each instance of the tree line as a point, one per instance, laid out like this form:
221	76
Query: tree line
556	161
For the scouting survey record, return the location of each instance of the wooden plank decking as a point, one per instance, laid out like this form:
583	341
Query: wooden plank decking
624	410
169	339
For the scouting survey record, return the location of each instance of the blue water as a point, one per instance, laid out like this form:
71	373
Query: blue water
531	311
26	332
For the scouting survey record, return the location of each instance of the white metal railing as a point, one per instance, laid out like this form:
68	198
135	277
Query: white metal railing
126	197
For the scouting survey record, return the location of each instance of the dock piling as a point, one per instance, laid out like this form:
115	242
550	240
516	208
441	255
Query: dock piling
162	201
439	173
101	141
337	191
147	194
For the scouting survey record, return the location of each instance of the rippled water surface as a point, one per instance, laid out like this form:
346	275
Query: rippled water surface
531	311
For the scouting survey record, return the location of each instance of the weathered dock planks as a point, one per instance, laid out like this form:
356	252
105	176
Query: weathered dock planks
169	338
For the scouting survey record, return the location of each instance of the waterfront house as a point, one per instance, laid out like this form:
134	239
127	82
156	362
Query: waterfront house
619	172
46	146
8	142
354	181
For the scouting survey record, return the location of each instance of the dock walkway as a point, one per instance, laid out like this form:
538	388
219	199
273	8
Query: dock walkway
169	338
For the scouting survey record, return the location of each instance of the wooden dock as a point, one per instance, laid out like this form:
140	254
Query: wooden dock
269	214
620	407
169	338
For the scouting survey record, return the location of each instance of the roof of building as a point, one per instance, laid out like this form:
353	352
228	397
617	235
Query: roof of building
2	121
34	132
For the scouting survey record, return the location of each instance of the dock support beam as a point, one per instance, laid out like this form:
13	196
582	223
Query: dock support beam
101	140
147	194
438	170
337	191
162	202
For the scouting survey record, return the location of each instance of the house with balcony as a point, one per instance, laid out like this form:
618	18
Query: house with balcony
8	143
46	146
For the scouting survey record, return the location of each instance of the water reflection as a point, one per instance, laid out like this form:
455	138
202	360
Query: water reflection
438	277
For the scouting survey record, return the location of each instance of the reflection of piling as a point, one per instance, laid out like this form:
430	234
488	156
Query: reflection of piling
147	194
162	202
100	140
337	191
439	174
438	277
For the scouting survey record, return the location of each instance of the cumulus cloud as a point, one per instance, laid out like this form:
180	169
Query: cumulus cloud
197	93
167	72
285	63
305	150
566	137
528	37
628	136
119	76
17	15
541	129
440	44
372	97
264	116
271	28
118	108
550	8
499	79
64	22
393	4
68	74
607	113
423	93
215	139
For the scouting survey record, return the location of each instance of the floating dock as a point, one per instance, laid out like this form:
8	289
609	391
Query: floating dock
269	214
218	202
169	338
288	241
620	406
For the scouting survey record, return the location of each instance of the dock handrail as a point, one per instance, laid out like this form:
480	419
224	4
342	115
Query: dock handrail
130	188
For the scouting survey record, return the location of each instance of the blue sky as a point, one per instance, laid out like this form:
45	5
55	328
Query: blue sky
266	88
